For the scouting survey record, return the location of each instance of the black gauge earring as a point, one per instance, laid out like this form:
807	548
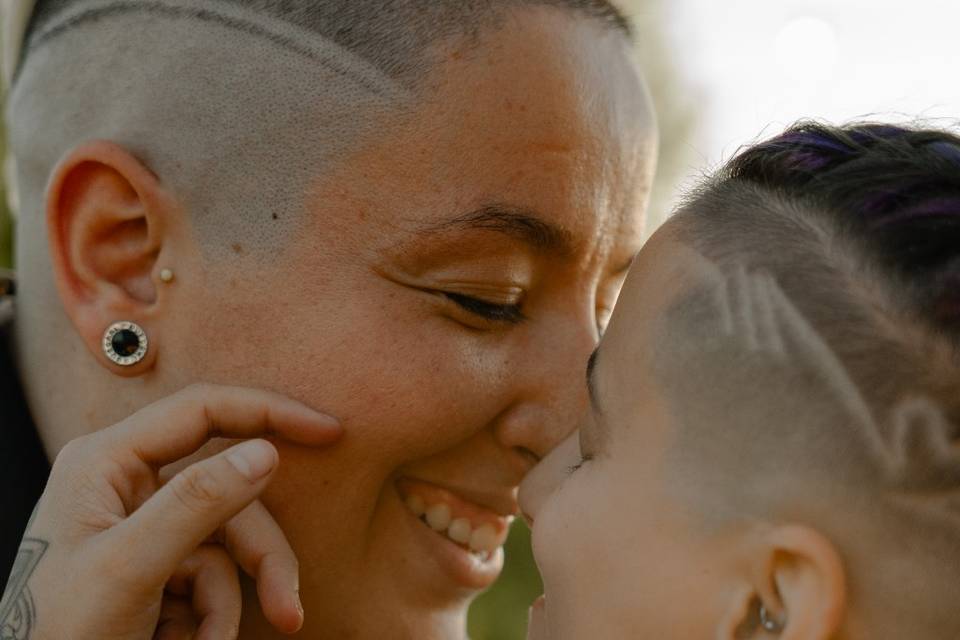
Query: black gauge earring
125	343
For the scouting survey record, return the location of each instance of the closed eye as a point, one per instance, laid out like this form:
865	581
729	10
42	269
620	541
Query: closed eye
508	313
583	460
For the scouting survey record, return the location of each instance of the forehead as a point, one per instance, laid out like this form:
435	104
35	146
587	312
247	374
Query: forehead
663	270
548	113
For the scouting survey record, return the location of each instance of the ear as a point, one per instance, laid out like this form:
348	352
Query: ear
810	580
106	220
797	575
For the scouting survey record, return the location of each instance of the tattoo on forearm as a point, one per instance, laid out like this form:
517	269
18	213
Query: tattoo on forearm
18	615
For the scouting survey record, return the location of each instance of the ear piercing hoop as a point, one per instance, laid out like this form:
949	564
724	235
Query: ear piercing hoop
767	622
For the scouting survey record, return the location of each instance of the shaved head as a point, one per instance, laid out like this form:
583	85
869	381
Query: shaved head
237	105
393	36
812	375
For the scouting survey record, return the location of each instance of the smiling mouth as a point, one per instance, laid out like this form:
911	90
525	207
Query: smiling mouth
475	529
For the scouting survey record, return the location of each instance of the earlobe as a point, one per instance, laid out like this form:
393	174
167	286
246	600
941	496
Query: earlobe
106	216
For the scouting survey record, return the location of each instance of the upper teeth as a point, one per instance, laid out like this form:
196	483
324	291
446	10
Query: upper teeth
417	505
440	518
485	538
460	530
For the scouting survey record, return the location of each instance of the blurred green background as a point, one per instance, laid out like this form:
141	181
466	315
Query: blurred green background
501	612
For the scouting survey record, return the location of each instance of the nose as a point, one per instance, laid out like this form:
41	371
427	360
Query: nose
546	477
551	392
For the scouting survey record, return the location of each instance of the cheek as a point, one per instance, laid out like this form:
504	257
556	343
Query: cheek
406	382
594	556
572	548
618	562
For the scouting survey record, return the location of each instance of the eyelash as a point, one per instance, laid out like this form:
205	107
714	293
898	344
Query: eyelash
508	313
583	460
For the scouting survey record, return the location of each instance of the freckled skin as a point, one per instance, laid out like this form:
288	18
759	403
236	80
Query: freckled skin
549	114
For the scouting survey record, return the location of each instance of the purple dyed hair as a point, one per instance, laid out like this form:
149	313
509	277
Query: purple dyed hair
894	189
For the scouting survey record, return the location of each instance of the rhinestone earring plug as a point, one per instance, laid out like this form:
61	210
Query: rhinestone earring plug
125	343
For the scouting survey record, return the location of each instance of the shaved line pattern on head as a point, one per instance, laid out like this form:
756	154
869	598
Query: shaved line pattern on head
762	319
752	314
743	325
208	94
389	35
875	468
283	33
223	106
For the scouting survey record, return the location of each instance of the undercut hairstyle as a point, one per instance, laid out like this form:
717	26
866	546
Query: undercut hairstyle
237	105
392	35
814	368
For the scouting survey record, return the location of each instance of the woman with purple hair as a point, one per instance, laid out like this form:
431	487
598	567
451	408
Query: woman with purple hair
773	449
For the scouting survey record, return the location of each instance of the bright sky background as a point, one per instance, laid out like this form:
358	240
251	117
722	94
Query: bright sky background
757	65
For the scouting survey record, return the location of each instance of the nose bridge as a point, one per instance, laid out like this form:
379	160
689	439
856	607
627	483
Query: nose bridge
563	382
552	392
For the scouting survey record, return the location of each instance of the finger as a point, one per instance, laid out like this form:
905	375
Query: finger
178	425
188	509
209	578
256	542
177	620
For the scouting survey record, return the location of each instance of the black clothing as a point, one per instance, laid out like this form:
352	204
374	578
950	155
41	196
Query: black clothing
23	464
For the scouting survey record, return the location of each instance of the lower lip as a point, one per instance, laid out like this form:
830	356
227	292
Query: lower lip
465	569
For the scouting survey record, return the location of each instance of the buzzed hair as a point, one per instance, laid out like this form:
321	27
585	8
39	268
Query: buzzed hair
814	369
393	35
239	106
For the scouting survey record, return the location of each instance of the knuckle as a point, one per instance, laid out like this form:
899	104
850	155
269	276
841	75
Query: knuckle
197	488
77	457
72	452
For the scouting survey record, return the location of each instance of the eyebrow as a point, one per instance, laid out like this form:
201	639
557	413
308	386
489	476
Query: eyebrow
518	222
591	382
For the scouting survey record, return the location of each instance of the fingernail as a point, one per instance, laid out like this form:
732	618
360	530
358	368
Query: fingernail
299	604
326	419
253	459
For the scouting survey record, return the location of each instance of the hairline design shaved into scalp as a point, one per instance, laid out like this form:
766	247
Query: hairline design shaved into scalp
743	323
255	130
245	21
856	431
770	425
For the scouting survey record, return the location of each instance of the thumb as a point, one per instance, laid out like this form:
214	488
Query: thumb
191	507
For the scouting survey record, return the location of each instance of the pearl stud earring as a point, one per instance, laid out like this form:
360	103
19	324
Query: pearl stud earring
166	275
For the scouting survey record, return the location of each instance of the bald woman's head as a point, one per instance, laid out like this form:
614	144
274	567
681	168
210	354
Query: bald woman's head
377	208
238	106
